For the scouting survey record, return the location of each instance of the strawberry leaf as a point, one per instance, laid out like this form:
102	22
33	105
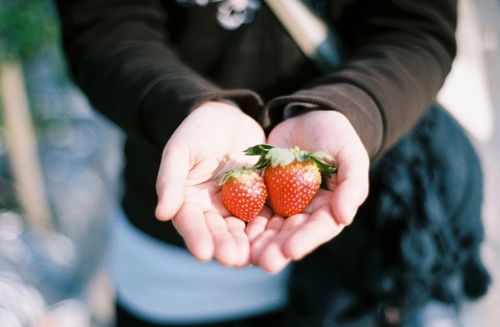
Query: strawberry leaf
236	174
262	163
324	157
280	156
258	150
325	163
300	155
227	175
270	155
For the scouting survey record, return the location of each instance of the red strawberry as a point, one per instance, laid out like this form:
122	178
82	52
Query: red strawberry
292	176
292	187
243	193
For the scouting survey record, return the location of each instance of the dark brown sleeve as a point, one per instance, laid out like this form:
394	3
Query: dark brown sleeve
397	56
117	53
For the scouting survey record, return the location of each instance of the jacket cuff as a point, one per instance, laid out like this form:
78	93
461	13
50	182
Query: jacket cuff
161	121
353	102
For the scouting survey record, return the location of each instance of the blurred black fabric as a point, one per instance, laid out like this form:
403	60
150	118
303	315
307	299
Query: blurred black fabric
416	238
125	318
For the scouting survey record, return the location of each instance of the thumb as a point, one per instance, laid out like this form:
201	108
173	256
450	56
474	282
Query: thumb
172	175
351	187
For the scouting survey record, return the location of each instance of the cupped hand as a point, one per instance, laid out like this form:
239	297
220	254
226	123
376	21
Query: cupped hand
277	241
209	142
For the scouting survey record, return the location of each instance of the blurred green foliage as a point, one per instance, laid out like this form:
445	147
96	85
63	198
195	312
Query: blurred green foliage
25	27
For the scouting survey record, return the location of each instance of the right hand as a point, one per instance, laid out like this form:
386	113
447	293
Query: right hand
209	142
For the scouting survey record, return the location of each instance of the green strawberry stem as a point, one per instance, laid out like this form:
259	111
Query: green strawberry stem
259	150
236	174
273	156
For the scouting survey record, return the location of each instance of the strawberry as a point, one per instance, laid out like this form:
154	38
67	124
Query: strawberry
243	193
292	176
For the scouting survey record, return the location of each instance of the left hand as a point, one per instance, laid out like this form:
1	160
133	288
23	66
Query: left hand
277	241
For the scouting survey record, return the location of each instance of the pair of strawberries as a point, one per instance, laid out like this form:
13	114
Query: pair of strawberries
291	179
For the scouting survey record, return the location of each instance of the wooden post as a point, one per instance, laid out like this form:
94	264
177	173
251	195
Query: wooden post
22	148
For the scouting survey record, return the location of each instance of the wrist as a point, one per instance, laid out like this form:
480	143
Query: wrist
297	108
224	104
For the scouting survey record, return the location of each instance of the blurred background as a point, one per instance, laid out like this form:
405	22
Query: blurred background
59	169
60	165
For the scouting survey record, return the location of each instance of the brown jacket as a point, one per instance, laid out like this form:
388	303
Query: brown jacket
145	64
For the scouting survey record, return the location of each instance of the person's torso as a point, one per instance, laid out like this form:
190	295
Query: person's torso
259	55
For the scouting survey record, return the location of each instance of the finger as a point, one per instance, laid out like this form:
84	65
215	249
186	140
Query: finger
272	258
236	228
319	228
272	228
258	224
225	248
172	175
350	188
216	202
190	224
